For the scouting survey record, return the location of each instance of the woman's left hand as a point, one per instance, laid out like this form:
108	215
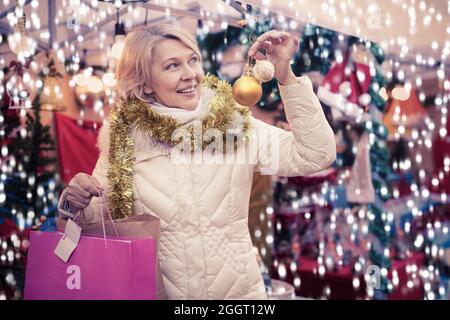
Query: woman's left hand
280	47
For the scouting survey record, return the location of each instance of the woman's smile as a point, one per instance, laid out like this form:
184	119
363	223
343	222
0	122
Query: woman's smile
188	92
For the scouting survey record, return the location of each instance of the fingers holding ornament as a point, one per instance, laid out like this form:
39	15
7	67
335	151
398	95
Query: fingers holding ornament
263	69
268	41
247	90
277	48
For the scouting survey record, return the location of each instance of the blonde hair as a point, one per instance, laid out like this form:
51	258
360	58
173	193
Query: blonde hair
133	70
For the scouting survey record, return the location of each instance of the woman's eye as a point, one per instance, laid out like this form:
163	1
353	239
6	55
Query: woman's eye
194	59
171	66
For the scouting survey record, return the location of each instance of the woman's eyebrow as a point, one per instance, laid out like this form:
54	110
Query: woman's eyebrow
176	58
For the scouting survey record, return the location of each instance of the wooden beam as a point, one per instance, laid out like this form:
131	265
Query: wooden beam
149	22
51	22
94	28
12	9
236	7
193	13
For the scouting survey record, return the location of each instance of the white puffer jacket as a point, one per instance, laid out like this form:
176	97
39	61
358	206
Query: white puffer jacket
205	245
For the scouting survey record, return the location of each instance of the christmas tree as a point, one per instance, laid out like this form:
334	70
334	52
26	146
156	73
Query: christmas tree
29	184
316	50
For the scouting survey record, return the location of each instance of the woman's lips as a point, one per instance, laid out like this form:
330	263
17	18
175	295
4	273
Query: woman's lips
189	94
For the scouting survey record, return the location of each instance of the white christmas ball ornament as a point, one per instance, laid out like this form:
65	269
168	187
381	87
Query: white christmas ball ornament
263	70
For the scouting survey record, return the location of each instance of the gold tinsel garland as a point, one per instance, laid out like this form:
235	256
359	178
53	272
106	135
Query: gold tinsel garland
134	113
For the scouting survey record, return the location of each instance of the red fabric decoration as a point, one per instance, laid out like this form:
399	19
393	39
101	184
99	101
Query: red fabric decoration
336	76
77	146
8	228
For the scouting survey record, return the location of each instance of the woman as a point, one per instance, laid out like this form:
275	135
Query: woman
205	246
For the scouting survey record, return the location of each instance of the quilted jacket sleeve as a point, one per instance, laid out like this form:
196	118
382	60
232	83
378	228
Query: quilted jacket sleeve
309	146
92	212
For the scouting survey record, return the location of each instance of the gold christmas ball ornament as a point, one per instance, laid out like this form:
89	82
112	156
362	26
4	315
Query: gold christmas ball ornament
247	90
264	70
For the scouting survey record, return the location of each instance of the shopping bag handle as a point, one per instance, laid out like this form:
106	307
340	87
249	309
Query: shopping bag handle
102	194
79	216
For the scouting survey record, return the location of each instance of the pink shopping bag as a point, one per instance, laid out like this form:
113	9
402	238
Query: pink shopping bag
99	268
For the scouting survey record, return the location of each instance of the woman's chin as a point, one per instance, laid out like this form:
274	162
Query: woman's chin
189	104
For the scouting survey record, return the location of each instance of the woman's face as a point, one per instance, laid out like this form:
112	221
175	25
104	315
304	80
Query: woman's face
176	75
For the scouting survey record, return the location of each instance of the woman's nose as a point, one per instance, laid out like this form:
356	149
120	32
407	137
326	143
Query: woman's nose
188	73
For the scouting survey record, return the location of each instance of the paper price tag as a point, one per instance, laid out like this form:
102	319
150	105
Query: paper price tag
69	241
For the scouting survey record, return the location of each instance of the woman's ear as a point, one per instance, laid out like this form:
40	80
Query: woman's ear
148	89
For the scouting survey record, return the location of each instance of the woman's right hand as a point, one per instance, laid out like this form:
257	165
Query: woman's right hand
81	189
